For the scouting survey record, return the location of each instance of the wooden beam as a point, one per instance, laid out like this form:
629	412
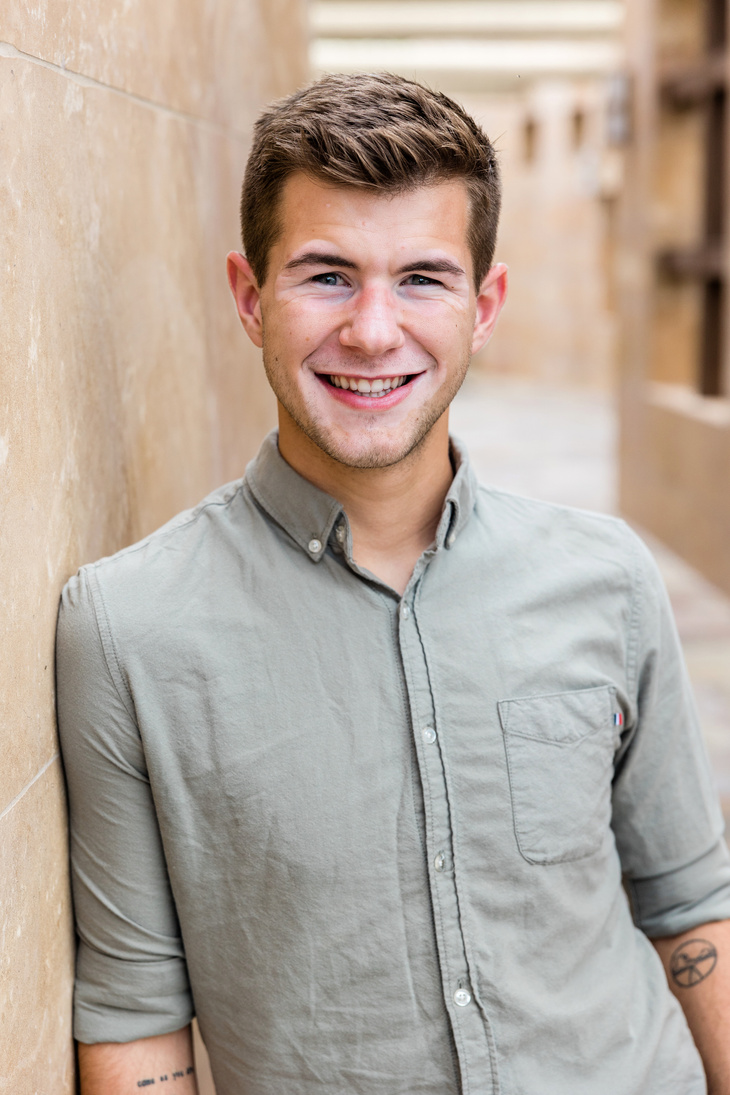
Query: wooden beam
703	263
692	85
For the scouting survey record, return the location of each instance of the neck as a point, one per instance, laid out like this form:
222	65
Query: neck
393	512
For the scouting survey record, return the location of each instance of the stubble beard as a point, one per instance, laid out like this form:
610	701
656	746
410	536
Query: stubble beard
383	454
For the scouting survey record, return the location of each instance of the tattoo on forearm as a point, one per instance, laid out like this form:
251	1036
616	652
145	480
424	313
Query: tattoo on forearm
692	962
177	1075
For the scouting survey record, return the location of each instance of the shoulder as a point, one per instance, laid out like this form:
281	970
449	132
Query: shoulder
562	542
528	518
169	563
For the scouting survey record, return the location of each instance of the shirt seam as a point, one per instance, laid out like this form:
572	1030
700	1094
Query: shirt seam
405	706
632	644
108	646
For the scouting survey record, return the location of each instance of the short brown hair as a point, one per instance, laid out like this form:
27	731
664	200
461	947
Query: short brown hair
373	131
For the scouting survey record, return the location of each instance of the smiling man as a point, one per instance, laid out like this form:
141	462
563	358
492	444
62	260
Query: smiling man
358	751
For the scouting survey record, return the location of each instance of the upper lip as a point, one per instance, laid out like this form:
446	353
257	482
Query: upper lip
362	376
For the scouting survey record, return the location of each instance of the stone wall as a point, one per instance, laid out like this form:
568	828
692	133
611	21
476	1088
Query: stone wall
560	182
127	389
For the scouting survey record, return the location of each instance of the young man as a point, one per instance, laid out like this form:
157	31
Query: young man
359	751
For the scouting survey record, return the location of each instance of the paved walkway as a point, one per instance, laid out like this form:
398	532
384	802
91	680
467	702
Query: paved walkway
559	445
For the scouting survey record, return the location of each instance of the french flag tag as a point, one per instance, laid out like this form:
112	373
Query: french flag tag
618	718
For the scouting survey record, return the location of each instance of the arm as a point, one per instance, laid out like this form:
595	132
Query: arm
697	964
164	1063
131	974
669	826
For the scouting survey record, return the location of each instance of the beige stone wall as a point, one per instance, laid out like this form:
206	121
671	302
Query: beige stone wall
127	389
560	182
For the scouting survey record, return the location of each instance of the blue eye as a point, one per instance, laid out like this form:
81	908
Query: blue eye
327	279
421	279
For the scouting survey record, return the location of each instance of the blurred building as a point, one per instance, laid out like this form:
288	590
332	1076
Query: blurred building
538	74
672	270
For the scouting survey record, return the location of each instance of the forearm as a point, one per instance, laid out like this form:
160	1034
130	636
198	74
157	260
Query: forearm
163	1064
697	964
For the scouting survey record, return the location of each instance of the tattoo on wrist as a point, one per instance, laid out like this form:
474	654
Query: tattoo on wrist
692	962
179	1074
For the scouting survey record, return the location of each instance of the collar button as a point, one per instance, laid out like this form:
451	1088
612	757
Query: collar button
314	546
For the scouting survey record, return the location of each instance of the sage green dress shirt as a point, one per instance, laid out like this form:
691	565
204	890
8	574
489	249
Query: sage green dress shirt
376	843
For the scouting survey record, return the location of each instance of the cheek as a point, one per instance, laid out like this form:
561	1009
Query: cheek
306	328
443	336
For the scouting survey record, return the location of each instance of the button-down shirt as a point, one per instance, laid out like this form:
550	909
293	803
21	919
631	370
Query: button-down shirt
376	842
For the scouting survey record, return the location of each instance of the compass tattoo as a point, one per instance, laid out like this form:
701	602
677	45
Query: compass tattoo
692	962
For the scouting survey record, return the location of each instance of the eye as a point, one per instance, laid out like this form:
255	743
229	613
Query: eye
421	279
329	279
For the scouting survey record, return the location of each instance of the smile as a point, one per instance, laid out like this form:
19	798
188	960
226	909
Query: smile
376	388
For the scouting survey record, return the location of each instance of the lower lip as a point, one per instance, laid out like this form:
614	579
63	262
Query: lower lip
368	403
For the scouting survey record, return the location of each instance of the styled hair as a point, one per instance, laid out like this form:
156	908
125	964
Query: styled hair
375	131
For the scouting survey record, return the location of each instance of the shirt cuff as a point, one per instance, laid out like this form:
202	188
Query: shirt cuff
116	1000
668	904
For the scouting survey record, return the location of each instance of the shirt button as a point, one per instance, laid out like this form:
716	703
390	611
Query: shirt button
340	534
315	546
405	612
429	735
439	861
451	539
462	998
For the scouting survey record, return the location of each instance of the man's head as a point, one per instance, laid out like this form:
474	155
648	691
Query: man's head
369	216
375	132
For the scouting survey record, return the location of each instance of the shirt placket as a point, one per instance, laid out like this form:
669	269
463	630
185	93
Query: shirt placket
469	1025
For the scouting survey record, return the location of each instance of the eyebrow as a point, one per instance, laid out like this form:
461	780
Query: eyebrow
432	266
320	258
323	258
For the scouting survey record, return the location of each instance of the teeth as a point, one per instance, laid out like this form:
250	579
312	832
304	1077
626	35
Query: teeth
377	388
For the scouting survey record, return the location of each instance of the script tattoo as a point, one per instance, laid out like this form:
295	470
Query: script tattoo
177	1075
692	962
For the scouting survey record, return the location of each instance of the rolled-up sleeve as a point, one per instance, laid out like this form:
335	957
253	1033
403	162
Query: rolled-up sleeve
131	974
666	816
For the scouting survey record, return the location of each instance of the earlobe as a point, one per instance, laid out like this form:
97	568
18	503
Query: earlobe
490	299
246	295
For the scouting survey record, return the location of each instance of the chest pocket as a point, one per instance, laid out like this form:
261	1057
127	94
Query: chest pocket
560	752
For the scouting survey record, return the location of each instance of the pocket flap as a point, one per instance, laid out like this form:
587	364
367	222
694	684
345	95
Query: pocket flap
561	717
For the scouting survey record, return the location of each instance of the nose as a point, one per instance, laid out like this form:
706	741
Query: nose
372	325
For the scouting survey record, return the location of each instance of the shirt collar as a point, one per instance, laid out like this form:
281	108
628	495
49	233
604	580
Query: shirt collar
309	515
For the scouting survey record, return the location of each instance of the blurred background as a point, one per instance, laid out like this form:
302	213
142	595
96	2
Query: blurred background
127	390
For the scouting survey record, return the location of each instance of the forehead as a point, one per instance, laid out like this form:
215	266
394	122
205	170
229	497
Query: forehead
434	216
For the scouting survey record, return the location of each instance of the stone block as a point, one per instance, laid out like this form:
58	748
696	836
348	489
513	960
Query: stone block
216	61
36	958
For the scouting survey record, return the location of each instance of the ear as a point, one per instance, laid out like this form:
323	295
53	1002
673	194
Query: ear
490	298
246	295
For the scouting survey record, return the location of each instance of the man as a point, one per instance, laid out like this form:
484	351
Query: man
358	751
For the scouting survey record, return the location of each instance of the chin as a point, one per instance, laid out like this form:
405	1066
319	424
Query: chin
366	451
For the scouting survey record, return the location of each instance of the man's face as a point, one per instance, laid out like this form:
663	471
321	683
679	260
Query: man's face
369	315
